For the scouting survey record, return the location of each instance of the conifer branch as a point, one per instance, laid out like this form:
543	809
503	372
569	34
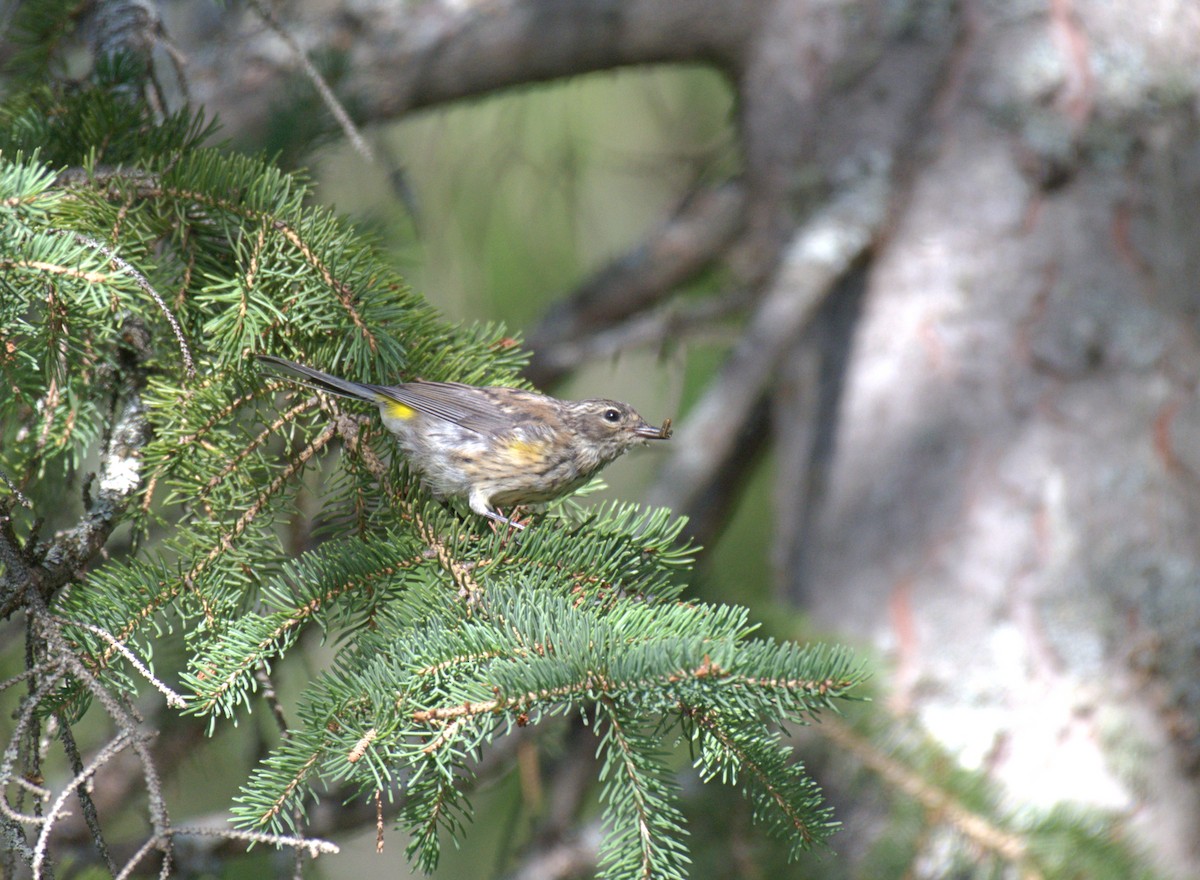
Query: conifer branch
294	783
257	442
938	802
460	574
169	590
289	622
712	725
593	682
260	503
223	413
149	186
90	276
626	753
644	823
344	294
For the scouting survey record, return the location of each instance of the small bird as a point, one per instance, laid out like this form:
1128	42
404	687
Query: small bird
493	446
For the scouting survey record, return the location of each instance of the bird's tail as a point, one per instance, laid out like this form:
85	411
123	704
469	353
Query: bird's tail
319	381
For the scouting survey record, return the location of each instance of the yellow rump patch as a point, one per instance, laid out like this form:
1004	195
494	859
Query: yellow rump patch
397	410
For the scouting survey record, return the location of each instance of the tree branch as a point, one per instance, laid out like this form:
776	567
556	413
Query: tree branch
821	252
51	565
574	855
404	58
676	252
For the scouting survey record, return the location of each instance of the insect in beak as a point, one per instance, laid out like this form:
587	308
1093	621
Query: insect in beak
650	432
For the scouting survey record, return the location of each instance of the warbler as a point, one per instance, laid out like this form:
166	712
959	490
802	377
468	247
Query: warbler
493	446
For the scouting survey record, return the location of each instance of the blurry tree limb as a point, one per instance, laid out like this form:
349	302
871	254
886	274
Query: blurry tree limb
124	27
822	251
683	246
805	404
573	855
405	58
941	803
658	329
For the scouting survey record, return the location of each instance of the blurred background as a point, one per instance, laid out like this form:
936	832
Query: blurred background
918	282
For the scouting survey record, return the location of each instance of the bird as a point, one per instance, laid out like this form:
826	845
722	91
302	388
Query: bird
492	446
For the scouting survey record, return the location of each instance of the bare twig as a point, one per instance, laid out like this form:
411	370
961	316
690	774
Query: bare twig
136	858
124	719
12	749
90	816
312	845
21	676
174	700
56	808
147	288
263	677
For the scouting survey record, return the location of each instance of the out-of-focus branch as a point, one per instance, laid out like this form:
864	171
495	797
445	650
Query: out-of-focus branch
805	401
574	855
680	249
405	57
822	251
664	327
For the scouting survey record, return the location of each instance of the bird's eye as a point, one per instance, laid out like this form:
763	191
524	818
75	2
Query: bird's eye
612	415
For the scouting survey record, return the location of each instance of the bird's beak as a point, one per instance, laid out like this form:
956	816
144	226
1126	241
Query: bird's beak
649	432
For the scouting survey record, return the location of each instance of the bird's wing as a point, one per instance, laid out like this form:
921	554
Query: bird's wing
486	410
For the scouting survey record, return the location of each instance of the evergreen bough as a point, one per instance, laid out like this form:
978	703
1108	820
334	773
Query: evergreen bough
140	271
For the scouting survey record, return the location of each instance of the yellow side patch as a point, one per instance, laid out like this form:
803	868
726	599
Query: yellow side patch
397	410
526	452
